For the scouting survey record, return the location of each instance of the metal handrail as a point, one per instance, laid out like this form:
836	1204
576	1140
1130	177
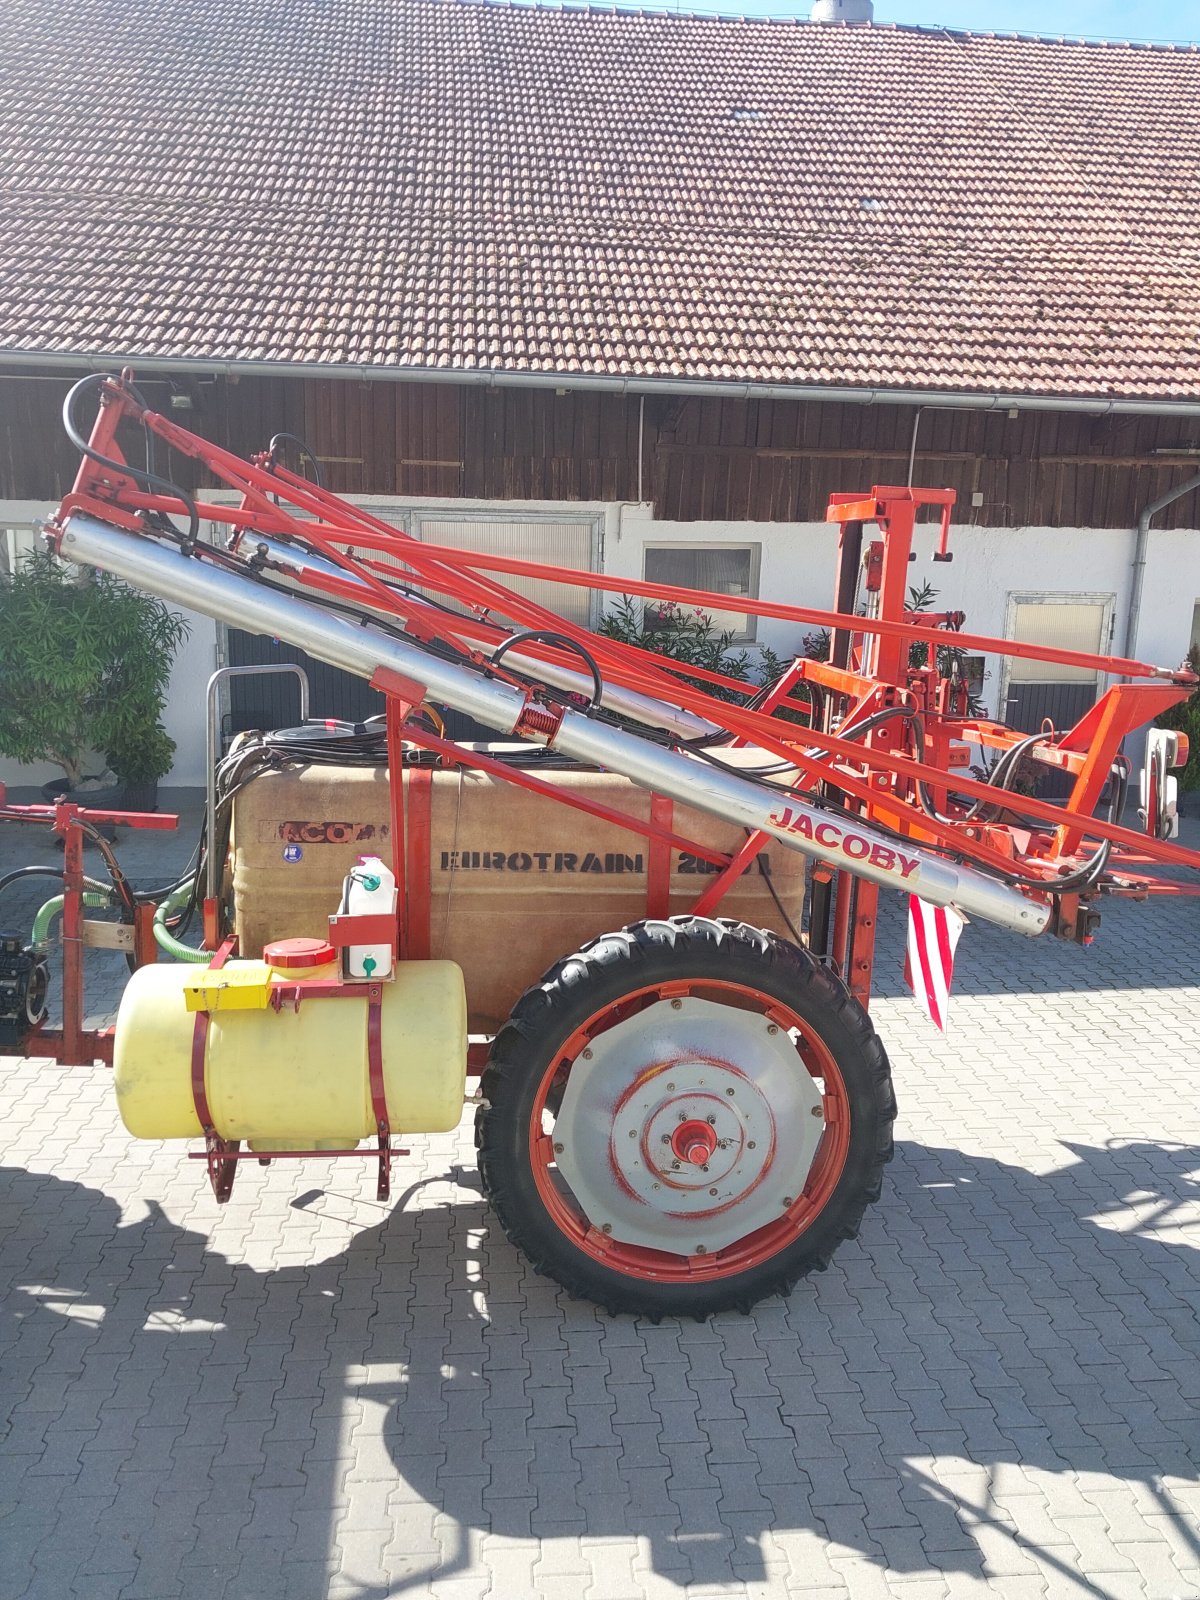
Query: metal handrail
212	878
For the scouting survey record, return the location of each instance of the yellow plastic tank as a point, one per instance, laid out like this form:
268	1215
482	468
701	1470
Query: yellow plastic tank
293	1078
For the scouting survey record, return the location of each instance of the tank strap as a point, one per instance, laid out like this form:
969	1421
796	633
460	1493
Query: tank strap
658	858
379	1088
221	1153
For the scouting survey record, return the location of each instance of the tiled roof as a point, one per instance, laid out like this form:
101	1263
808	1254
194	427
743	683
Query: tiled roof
456	185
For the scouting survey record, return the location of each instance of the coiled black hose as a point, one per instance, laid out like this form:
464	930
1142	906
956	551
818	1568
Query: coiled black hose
148	480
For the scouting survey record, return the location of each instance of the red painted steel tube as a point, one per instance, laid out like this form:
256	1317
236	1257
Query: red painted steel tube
706	600
418	781
72	941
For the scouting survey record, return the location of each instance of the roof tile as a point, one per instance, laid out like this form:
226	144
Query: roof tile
465	185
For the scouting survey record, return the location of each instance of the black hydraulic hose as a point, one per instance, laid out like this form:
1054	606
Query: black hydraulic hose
564	642
149	480
56	873
279	439
764	871
120	884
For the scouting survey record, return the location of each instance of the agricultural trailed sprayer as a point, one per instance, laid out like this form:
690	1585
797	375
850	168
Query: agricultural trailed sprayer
646	915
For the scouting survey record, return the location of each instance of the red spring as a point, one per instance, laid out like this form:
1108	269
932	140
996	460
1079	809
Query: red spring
538	719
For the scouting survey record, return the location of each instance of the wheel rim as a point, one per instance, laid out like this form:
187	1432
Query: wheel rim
650	1128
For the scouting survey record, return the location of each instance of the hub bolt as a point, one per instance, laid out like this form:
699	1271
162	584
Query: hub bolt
712	1191
587	1055
817	1111
676	1005
751	1144
711	1118
701	1249
771	1028
558	1149
606	1227
729	1091
787	1201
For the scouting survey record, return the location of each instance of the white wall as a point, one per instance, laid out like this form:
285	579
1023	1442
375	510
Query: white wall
798	565
798	562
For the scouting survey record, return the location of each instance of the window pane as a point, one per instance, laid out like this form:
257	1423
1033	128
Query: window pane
1064	626
724	570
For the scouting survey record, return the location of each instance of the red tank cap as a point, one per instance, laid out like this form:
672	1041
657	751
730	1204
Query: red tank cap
298	953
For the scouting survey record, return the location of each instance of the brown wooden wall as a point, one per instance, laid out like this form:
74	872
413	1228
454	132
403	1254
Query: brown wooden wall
767	460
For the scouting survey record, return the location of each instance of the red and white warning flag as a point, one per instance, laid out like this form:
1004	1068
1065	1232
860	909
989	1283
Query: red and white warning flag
933	933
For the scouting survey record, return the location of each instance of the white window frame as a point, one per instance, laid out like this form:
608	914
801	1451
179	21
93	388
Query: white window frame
17	517
408	515
750	634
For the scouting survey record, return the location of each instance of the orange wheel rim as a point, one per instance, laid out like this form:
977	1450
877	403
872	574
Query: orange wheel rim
661	1266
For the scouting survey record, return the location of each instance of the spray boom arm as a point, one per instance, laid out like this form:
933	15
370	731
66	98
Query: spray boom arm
858	762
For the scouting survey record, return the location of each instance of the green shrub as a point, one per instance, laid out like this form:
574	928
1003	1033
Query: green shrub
690	638
85	662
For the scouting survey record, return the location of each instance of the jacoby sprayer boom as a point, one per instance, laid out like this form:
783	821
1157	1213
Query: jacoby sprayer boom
363	651
683	1104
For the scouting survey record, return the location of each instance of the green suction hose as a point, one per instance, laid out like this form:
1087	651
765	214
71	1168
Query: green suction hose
165	940
162	936
48	912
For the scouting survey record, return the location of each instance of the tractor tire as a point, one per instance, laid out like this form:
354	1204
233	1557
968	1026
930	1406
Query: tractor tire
684	1117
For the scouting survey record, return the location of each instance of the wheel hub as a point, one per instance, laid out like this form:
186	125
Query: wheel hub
694	1142
688	1126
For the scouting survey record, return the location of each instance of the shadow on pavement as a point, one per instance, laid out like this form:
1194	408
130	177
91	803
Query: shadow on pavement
988	1317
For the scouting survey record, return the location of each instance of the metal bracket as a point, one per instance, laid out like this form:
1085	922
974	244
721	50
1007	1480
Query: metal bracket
108	935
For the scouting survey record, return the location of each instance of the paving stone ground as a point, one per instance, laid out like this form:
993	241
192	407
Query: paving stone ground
995	1390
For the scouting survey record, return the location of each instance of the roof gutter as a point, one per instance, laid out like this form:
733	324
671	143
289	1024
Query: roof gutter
505	378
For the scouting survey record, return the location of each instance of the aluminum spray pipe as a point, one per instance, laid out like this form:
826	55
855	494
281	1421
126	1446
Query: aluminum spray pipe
292	562
837	840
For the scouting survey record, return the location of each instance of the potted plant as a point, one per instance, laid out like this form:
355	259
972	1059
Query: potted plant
85	662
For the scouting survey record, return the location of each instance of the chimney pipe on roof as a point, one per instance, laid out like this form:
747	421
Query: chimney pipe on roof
843	11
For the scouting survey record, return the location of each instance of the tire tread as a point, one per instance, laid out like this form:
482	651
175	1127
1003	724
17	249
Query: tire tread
638	945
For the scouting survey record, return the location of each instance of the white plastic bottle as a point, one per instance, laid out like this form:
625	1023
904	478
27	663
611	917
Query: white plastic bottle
369	889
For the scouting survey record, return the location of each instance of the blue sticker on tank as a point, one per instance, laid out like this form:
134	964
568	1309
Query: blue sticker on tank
292	852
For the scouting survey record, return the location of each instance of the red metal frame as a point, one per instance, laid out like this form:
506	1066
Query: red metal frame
882	775
73	1044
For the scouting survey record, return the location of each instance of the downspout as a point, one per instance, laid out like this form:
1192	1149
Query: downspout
1139	557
